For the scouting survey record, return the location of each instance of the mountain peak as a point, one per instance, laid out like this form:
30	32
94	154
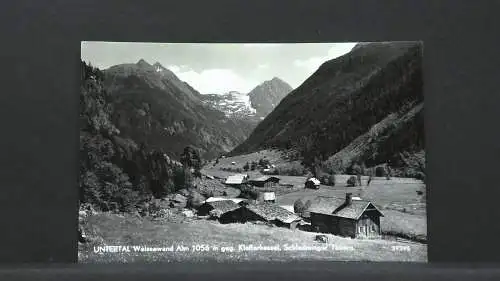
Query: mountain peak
158	65
268	94
277	79
143	63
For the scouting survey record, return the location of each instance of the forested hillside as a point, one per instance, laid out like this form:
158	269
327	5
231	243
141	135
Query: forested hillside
346	98
116	173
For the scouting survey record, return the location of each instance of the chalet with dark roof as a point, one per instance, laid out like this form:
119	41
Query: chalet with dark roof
271	213
265	181
345	217
226	211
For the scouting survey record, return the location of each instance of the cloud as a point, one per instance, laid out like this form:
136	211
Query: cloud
263	66
340	49
177	68
313	63
174	68
213	81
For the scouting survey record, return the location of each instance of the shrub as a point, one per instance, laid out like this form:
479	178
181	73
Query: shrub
298	206
263	162
249	192
246	167
380	171
307	205
352	181
195	199
253	166
327	179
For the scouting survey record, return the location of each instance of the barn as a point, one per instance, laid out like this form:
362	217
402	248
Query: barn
313	183
223	210
345	217
269	212
265	181
236	180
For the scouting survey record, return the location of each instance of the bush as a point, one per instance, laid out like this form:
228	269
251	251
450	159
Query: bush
380	171
352	181
307	205
327	179
263	162
253	166
298	206
249	192
195	199
246	167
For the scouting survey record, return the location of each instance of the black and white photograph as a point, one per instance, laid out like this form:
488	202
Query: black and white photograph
251	152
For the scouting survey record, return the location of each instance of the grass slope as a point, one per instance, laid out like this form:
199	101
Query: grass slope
127	230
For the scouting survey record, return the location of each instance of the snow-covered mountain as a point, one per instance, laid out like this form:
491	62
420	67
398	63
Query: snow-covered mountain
255	105
233	104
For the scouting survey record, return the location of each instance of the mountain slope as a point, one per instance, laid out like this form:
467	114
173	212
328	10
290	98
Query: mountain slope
343	100
153	106
116	174
266	96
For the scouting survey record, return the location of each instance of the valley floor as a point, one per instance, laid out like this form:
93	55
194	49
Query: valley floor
400	199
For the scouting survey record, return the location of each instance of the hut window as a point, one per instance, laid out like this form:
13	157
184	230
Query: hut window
373	228
360	229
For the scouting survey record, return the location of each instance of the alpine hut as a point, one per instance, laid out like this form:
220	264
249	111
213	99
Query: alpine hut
236	180
345	217
265	181
271	213
313	183
223	210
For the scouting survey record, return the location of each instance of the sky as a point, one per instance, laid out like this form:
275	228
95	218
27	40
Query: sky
217	68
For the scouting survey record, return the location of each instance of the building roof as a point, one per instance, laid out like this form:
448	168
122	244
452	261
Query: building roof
269	196
264	178
271	211
314	180
222	207
215	199
288	208
207	175
336	207
236	179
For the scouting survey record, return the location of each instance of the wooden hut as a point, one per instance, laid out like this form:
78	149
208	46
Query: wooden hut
236	180
224	210
313	183
265	181
345	217
271	213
